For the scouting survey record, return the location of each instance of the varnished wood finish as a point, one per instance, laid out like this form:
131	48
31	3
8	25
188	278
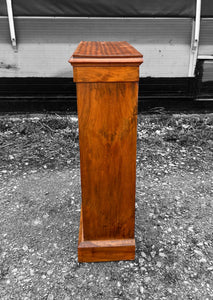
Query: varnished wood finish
107	115
108	74
106	54
106	62
104	250
106	50
107	111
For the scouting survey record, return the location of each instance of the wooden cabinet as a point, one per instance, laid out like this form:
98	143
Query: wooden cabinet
106	76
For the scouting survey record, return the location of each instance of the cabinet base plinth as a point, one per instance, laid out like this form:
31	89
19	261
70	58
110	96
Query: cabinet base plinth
104	250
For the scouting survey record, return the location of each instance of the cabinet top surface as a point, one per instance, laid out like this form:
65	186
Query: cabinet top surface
106	50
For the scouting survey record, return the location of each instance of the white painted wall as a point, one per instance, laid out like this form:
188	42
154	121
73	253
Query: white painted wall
46	44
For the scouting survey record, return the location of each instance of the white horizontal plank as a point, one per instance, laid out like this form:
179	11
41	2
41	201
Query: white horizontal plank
46	44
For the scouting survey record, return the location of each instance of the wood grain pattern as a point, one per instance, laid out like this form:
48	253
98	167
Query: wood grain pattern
108	74
104	250
107	115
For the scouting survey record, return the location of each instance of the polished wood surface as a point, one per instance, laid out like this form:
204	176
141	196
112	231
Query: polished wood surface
108	74
106	50
106	62
104	250
106	54
107	115
107	98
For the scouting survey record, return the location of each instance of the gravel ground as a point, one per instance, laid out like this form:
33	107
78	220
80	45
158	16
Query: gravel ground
40	208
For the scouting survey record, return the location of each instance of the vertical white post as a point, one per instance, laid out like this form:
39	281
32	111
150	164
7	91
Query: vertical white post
11	24
195	39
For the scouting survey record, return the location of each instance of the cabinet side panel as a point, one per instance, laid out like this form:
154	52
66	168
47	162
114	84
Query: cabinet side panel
107	135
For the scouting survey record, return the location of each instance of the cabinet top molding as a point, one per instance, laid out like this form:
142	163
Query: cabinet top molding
106	52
